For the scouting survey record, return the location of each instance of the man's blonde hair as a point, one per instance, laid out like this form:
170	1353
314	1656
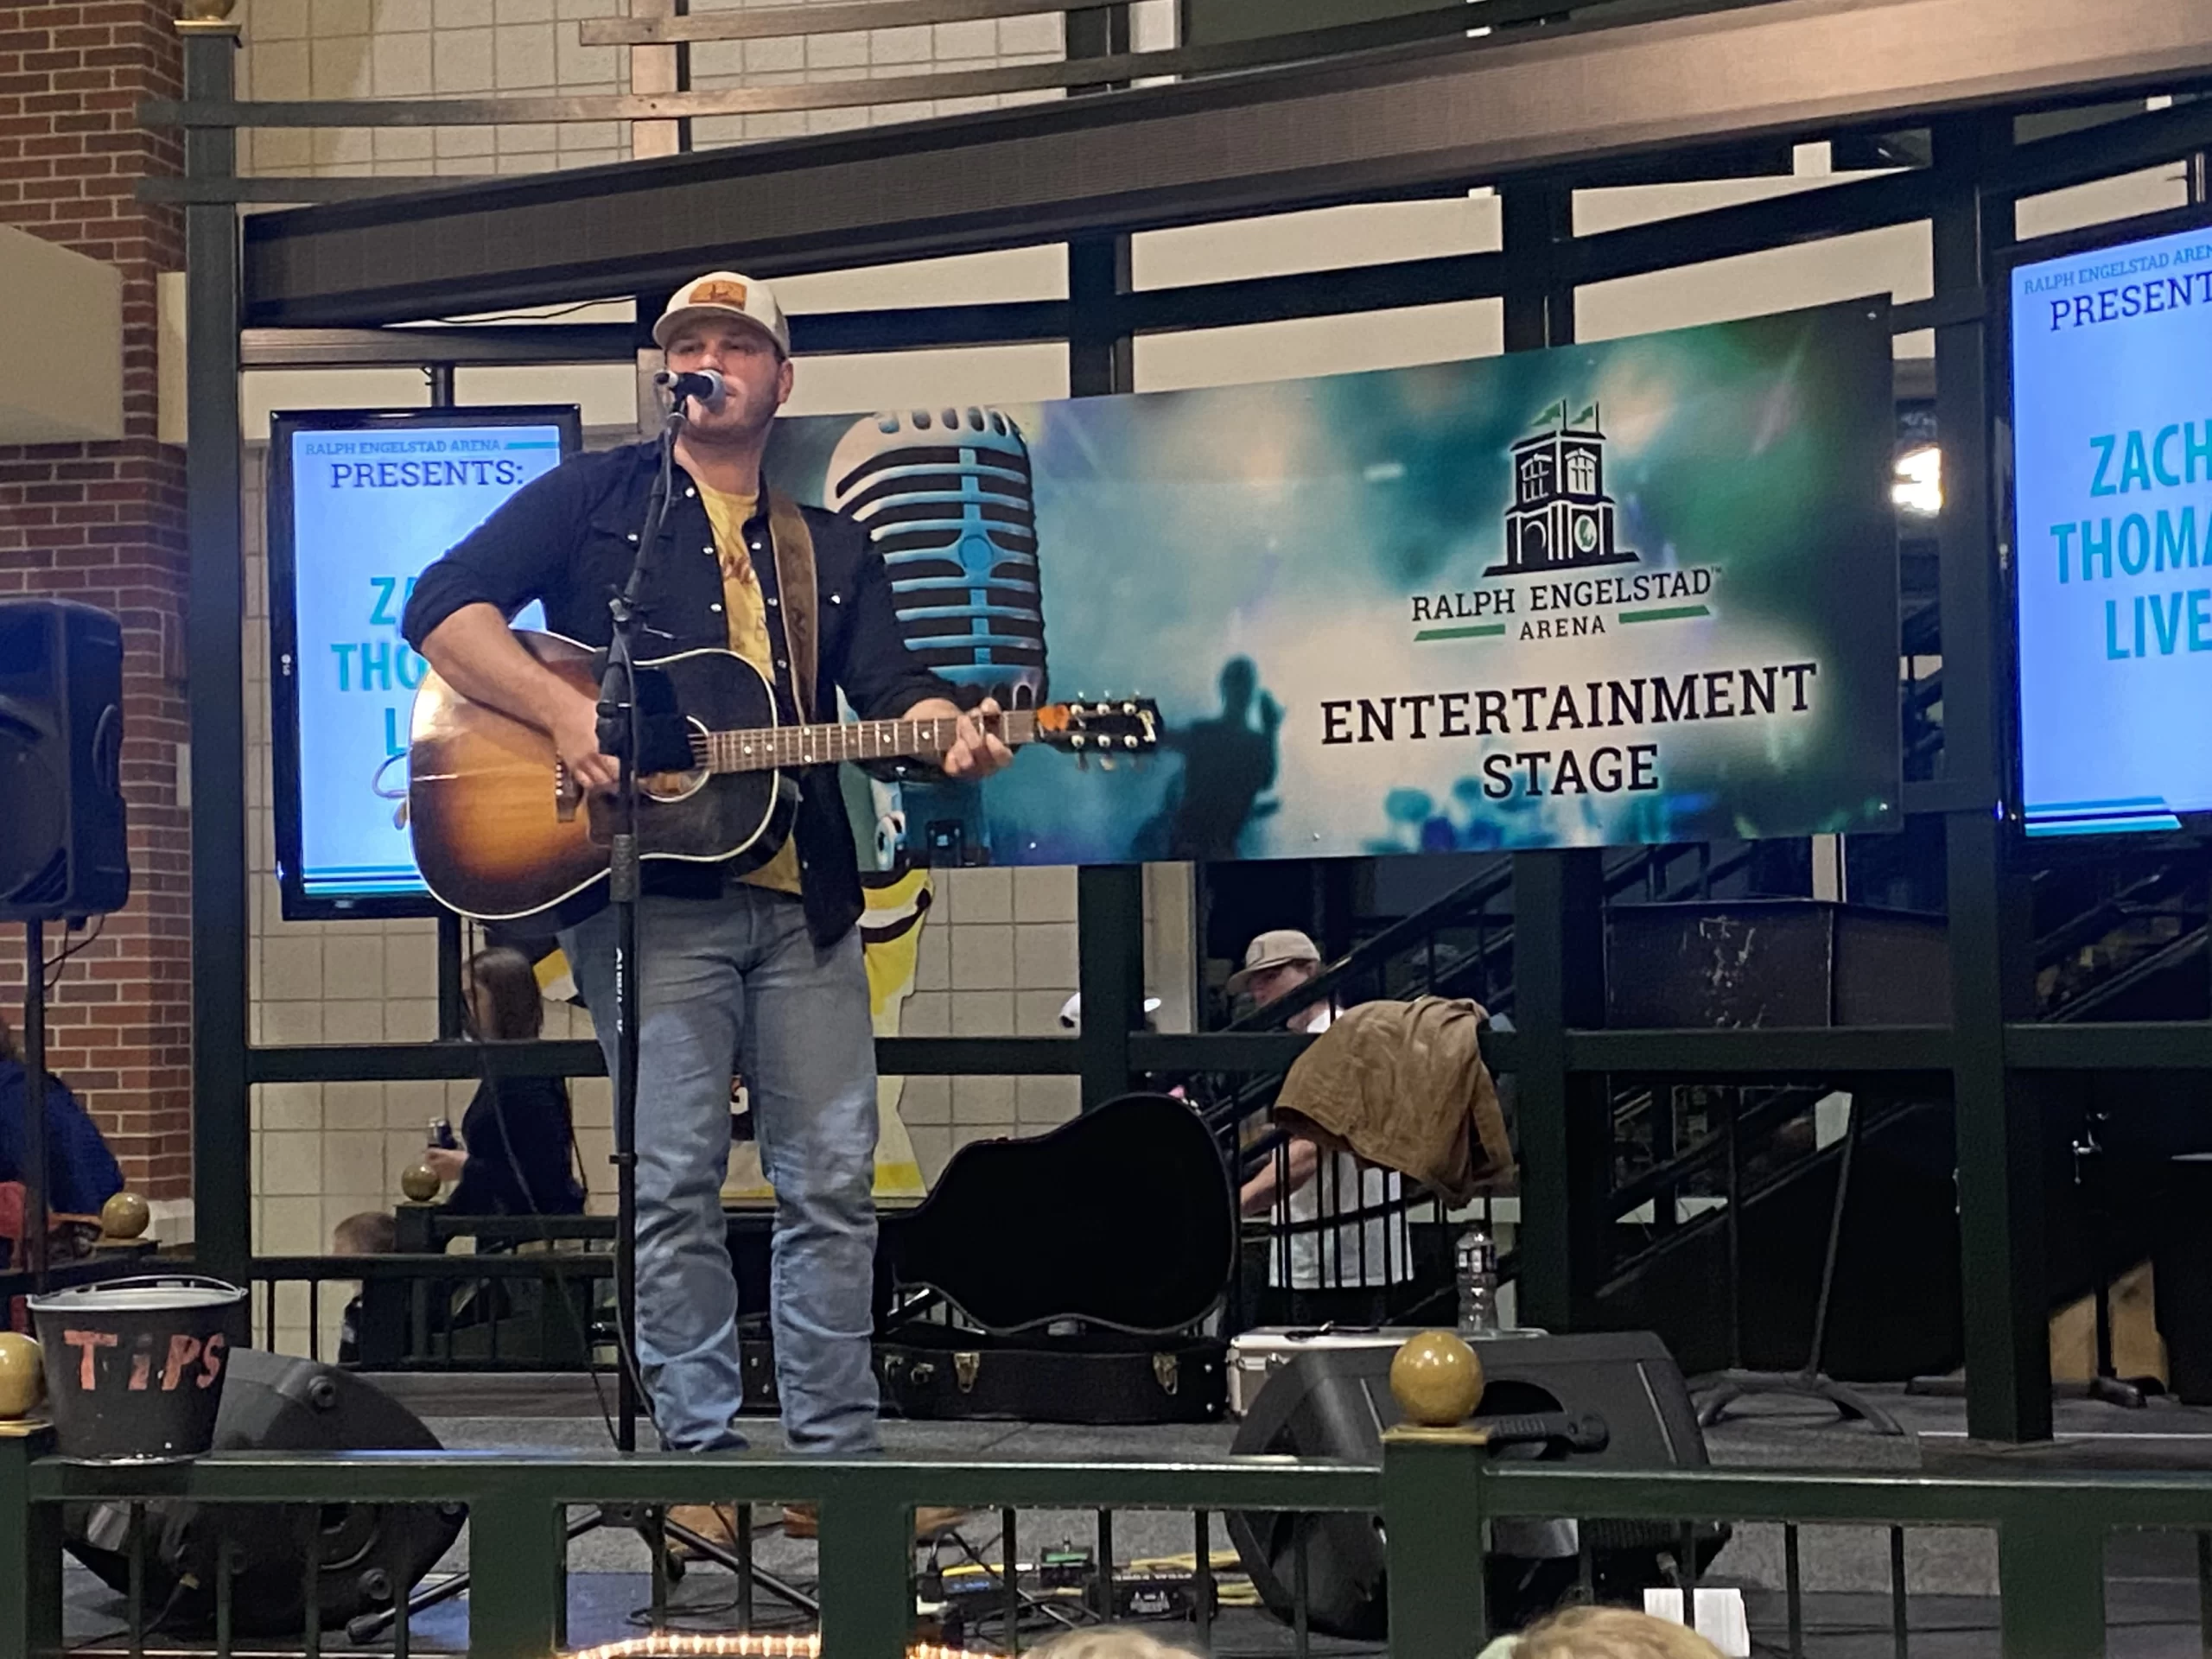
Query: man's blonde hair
1108	1643
1610	1633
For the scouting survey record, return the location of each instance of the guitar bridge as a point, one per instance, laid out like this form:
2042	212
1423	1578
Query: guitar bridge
566	795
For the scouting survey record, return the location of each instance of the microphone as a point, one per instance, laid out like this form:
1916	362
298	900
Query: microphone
705	384
947	498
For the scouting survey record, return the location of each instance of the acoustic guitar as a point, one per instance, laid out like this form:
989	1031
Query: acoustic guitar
501	831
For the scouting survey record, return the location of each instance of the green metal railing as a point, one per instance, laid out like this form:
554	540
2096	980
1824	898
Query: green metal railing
1434	1491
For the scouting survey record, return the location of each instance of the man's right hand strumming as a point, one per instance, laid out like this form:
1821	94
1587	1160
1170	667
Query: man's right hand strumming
575	735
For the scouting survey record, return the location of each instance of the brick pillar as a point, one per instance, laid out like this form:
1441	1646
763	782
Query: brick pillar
103	523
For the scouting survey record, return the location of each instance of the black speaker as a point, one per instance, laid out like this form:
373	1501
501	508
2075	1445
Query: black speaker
368	1553
62	851
1336	1403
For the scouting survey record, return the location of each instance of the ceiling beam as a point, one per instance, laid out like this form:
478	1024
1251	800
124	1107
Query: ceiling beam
1465	112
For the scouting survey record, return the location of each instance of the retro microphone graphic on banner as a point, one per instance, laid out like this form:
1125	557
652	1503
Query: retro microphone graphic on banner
946	497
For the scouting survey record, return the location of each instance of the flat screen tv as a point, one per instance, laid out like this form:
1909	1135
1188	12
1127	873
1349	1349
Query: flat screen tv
2110	333
359	501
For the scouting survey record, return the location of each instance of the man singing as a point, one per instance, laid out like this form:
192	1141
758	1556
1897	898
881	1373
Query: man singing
765	967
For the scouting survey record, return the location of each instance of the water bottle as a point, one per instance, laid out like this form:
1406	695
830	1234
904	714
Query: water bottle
1476	1260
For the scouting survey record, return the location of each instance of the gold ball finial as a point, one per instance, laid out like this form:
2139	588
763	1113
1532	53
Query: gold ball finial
23	1379
124	1216
1437	1380
420	1183
206	11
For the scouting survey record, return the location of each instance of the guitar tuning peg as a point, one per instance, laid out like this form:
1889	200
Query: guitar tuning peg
1130	741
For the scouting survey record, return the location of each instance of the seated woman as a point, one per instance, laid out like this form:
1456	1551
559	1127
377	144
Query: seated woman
82	1173
517	1142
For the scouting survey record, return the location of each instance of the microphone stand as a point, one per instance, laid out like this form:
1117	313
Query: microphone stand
621	733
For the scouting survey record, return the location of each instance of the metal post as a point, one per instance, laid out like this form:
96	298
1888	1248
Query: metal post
1109	967
30	1549
216	638
515	1591
1432	1511
868	1598
37	1166
2051	1585
1999	1143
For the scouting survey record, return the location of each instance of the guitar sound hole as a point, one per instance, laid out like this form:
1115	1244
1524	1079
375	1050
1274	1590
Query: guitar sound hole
672	786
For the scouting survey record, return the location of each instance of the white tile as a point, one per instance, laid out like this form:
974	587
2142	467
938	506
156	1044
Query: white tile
969	40
1045	892
275	20
291	1164
580	65
525	54
982	1014
1037	1014
1040	36
932	1151
338	67
411	1105
400	65
835	52
410	964
329	18
280	1025
355	1165
836	120
984	895
410	1020
777	56
290	1227
351	1022
288	1105
926	1100
462	60
983	957
984	1100
466	142
280	69
1045	1102
352	965
402	17
899	45
353	1106
933	957
926	1014
462	13
523	11
1044	955
528	138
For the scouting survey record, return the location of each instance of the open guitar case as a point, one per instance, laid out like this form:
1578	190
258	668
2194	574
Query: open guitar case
1060	1279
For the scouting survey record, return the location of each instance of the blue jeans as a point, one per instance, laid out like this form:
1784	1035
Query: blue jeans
738	983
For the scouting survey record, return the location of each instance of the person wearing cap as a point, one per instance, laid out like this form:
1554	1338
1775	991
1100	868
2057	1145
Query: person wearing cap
764	966
1302	1188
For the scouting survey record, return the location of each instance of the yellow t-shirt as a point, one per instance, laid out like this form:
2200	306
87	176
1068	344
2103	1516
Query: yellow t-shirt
746	610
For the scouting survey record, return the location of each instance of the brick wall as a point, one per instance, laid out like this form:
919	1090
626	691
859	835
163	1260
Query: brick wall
105	523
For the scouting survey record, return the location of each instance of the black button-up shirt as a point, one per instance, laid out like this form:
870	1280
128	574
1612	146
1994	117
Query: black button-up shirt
569	538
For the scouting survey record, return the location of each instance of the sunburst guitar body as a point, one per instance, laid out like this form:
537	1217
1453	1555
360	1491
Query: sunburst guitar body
501	833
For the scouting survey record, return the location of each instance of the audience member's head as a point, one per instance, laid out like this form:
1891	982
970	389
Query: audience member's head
1610	1633
503	1002
373	1232
1108	1643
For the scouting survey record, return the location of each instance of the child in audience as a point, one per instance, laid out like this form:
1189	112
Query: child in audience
1108	1643
1603	1633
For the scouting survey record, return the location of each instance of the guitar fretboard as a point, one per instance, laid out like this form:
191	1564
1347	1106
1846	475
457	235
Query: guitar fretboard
779	747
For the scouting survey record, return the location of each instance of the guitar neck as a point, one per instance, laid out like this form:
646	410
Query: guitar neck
778	749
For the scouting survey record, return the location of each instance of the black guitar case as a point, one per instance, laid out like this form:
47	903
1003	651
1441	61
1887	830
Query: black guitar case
1121	1223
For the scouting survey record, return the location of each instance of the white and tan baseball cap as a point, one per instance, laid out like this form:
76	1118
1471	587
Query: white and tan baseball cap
724	293
1277	948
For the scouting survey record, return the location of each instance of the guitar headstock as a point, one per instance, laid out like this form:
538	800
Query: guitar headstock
1109	726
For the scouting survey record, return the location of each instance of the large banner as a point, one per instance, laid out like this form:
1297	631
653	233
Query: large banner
1639	591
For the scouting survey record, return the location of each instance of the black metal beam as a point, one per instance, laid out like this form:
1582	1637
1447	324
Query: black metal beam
1261	143
215	643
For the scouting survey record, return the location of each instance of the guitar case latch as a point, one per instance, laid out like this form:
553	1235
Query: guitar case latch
964	1369
1166	1370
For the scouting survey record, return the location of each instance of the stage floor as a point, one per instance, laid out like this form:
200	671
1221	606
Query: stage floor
2151	1585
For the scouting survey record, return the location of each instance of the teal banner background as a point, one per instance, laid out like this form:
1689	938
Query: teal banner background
1638	591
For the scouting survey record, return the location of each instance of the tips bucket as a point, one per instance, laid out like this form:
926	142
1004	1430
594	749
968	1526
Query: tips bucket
133	1367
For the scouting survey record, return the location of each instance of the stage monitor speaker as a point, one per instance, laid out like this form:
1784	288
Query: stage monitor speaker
275	1403
1335	1402
62	850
